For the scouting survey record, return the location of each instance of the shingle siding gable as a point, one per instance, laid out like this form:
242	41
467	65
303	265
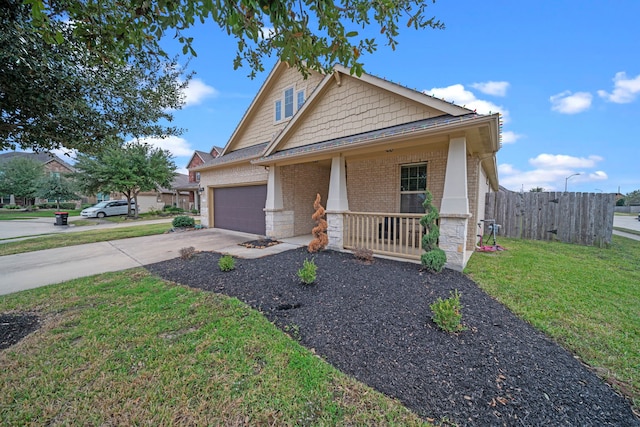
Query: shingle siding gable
352	108
261	126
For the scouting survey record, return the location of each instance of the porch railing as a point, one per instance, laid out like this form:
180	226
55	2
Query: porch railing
391	234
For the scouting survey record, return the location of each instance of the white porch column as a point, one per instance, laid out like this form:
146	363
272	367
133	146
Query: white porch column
455	199
337	203
278	222
454	210
274	189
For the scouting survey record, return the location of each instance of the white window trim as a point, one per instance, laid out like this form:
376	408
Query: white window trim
401	192
282	102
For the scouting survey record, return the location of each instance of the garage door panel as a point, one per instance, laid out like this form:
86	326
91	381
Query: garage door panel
240	208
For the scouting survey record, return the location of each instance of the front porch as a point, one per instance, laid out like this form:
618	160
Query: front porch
373	190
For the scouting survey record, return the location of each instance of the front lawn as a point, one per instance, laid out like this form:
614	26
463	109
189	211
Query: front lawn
587	299
81	237
12	214
130	349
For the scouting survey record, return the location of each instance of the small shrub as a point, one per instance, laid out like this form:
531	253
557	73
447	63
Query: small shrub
173	209
434	260
447	313
363	254
183	221
187	253
308	272
227	263
194	211
67	206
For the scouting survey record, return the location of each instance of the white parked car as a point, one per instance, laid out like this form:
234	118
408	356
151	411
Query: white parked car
107	208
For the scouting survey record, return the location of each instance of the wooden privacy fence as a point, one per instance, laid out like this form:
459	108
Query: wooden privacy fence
581	218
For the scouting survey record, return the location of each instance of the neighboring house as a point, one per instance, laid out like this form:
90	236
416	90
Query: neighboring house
53	165
178	195
193	185
370	148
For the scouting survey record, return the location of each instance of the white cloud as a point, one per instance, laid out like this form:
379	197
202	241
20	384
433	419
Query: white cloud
509	137
550	171
625	90
177	146
267	32
571	103
492	88
183	171
460	96
564	161
197	91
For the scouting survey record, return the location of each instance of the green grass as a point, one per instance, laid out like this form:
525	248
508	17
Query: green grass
130	349
587	299
78	238
12	214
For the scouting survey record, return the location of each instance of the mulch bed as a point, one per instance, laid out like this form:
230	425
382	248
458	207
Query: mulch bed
373	322
259	244
15	326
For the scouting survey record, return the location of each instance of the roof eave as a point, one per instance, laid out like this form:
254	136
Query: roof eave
434	131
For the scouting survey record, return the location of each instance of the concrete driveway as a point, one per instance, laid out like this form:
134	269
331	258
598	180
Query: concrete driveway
34	269
628	222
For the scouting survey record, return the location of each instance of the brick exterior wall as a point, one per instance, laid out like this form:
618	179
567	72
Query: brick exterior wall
262	126
352	108
373	184
196	161
473	181
300	184
55	166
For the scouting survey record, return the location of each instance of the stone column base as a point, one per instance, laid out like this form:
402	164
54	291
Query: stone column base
335	229
453	240
278	223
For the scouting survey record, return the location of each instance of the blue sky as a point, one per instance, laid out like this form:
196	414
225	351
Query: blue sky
564	74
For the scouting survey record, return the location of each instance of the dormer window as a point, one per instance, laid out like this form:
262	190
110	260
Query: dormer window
289	104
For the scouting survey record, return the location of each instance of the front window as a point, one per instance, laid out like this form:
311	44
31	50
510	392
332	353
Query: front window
413	184
197	176
278	110
288	103
300	99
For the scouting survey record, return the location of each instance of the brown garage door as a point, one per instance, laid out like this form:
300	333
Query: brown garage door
240	208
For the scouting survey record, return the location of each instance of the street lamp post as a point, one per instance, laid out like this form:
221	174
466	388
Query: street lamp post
567	180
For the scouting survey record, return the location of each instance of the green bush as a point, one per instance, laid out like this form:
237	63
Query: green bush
183	221
308	272
173	209
227	263
434	258
12	207
67	206
447	313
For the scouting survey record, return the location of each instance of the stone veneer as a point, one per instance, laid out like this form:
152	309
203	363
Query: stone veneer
453	239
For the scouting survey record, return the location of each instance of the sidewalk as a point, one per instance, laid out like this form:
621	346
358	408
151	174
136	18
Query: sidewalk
34	269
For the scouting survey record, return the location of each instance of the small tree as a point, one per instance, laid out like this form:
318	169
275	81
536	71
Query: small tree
319	232
434	258
129	169
536	190
57	188
21	177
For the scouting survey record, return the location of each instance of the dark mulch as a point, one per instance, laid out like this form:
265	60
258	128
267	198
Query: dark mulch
15	326
373	322
260	243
